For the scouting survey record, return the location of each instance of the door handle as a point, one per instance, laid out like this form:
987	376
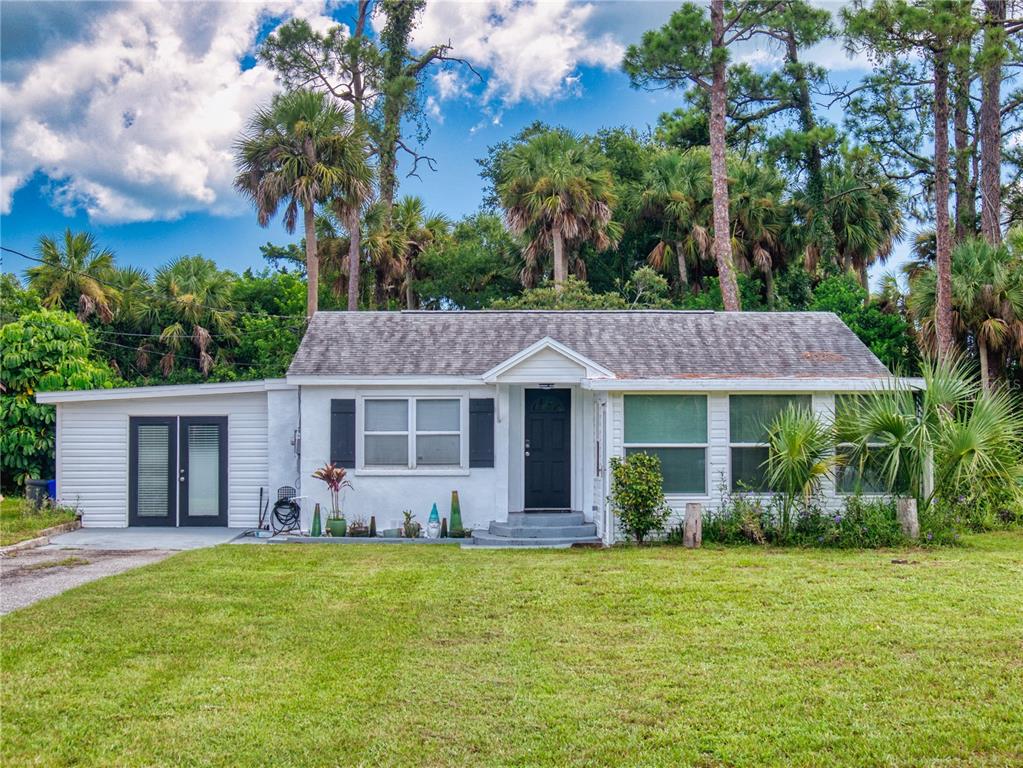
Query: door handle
181	476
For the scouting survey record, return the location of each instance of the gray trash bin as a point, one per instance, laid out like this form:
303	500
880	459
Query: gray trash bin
37	491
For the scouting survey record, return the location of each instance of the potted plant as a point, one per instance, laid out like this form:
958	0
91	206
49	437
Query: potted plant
358	527
411	527
336	479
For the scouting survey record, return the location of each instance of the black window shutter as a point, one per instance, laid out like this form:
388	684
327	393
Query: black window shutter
342	433
481	432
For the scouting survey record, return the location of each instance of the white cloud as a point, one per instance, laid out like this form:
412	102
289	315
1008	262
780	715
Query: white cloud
136	120
433	109
531	49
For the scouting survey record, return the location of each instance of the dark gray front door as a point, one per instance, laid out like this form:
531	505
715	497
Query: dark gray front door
177	470
548	449
152	472
202	470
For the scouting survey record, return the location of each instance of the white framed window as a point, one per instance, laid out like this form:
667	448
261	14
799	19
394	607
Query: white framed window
673	428
413	432
749	419
864	474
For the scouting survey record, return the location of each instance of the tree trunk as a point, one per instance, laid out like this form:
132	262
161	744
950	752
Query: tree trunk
965	205
941	223
354	258
560	260
769	286
991	123
864	276
410	295
718	162
312	262
985	372
683	271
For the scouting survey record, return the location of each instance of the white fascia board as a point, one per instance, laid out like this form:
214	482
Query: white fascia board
752	385
593	370
169	390
384	381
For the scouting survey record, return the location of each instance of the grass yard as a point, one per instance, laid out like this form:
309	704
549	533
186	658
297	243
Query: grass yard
433	656
17	523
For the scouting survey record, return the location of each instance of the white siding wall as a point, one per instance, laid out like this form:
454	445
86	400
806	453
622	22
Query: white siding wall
547	365
92	453
718	452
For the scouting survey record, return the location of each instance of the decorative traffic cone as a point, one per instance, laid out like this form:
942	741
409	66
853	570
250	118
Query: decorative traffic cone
456	517
315	529
444	528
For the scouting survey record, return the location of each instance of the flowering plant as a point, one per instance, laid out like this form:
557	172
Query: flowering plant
336	479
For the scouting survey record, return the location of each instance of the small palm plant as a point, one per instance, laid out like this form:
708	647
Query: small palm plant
801	456
966	434
336	479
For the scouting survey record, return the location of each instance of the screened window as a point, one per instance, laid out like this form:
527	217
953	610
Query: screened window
412	432
673	428
438	433
386	433
862	473
749	419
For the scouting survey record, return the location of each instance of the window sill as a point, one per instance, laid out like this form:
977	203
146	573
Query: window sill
405	472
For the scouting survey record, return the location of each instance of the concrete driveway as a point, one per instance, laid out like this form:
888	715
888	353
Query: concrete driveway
126	539
87	554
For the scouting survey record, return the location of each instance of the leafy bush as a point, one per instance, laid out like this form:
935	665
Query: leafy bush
44	350
862	524
637	497
742	519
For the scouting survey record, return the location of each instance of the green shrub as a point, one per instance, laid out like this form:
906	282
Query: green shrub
41	351
861	524
637	497
742	519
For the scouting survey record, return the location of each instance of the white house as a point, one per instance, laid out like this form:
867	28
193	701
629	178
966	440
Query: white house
519	412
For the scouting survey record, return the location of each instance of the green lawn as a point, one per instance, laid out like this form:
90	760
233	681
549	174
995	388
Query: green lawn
434	656
17	523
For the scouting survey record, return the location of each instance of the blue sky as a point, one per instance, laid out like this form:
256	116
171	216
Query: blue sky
119	117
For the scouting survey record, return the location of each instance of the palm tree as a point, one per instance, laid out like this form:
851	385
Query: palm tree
193	297
301	151
677	192
415	232
987	299
758	217
75	274
556	190
864	215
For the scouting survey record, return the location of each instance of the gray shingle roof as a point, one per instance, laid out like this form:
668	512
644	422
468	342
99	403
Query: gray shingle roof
632	344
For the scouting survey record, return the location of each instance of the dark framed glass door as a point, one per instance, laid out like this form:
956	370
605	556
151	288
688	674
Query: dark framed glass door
153	464
177	470
202	470
548	449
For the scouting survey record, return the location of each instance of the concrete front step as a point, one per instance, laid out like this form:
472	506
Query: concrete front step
553	519
584	531
488	539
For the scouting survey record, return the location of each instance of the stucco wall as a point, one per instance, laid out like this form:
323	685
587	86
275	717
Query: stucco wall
386	493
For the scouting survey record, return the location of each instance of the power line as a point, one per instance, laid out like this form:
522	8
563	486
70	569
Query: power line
176	355
146	297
